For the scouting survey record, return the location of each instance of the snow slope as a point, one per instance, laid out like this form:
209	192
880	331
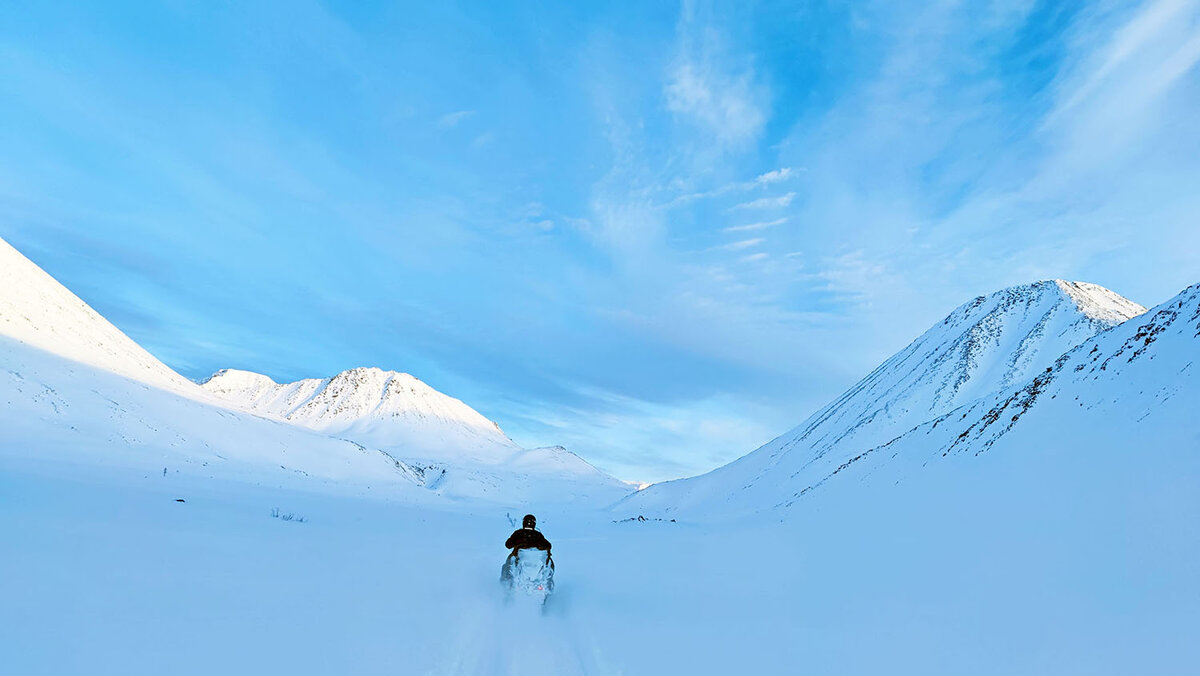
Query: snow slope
988	345
41	313
1125	398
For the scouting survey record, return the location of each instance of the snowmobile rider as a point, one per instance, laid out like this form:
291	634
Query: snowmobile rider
527	537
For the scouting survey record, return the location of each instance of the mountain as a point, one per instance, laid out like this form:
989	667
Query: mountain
383	409
1113	417
458	452
989	345
1134	386
79	392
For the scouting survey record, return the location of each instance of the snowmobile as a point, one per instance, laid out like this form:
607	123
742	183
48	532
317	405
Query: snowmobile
528	573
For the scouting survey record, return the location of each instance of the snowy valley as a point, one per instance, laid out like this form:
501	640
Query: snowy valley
1014	492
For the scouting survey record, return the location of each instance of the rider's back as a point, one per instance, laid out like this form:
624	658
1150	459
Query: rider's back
527	538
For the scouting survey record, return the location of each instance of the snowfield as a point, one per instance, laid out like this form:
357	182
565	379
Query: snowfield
1014	493
1069	574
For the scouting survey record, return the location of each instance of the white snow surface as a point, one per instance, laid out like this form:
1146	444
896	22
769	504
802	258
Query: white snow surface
1016	563
991	344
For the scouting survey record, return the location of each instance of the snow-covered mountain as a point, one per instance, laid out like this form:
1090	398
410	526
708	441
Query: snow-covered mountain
457	450
77	390
1131	388
383	409
991	344
1116	411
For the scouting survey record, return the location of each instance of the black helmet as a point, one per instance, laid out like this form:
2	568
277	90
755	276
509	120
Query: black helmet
529	521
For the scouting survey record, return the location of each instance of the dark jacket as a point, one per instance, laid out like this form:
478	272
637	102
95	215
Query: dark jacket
527	538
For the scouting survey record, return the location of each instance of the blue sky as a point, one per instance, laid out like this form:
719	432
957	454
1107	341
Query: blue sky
658	234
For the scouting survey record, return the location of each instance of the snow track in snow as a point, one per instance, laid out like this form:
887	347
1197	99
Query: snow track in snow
519	637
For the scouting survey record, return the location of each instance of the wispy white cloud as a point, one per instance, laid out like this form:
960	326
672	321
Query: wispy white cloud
776	176
711	88
450	120
744	244
722	104
1147	35
855	273
719	428
755	257
761	225
760	181
768	202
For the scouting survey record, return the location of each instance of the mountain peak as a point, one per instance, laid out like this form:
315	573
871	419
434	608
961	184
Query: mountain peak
375	373
388	409
236	378
992	342
1099	303
1093	302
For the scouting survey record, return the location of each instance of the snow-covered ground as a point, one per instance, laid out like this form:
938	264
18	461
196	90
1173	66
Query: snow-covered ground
107	574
